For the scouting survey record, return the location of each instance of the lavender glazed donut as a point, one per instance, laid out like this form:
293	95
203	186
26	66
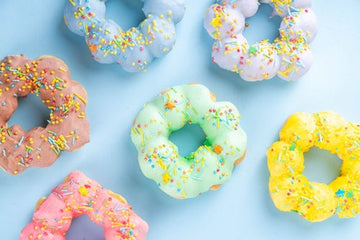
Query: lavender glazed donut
289	57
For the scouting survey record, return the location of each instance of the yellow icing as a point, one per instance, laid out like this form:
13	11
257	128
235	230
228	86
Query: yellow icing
290	190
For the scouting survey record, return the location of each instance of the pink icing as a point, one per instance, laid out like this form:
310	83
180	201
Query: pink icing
79	195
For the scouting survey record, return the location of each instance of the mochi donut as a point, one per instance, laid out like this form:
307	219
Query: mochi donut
67	127
291	191
289	57
78	195
206	168
132	49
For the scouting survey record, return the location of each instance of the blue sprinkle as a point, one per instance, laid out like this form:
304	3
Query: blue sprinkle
340	193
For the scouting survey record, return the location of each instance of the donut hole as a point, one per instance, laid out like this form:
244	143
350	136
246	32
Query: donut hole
83	228
321	166
262	25
30	113
126	13
188	139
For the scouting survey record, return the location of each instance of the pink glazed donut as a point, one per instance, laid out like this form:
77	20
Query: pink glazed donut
79	195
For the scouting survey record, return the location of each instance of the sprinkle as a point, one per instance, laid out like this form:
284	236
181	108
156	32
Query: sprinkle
41	219
59	79
340	193
292	147
81	98
67	193
218	149
57	152
21	140
183	193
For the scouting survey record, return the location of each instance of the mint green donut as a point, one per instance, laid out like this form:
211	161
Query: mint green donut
211	164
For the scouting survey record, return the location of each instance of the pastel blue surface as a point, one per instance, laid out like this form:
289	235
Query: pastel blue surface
241	208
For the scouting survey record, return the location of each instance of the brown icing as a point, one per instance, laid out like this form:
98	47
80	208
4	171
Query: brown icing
68	128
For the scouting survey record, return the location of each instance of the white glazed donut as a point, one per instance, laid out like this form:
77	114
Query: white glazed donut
288	57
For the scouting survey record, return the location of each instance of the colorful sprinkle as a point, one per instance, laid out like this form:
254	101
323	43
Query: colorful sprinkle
288	57
49	79
211	164
80	195
132	49
291	191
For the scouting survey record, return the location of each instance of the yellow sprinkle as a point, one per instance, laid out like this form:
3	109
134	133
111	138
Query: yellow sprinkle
62	69
28	147
184	193
81	98
83	191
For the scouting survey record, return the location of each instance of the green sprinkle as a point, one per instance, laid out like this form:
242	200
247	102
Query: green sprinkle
187	117
304	202
117	43
349	194
137	130
292	147
56	151
59	79
253	50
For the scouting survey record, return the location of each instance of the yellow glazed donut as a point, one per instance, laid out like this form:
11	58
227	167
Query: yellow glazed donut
290	190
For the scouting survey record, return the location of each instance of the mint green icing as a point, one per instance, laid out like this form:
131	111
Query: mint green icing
211	164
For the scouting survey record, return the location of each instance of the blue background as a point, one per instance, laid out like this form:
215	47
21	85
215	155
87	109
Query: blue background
241	208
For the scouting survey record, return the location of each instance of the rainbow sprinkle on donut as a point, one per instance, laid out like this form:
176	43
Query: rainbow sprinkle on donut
289	57
132	49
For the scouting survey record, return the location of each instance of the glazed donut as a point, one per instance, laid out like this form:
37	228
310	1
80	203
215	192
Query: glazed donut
206	168
289	56
290	190
67	128
78	195
133	49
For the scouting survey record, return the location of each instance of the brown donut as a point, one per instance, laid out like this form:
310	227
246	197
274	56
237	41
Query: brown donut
67	129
